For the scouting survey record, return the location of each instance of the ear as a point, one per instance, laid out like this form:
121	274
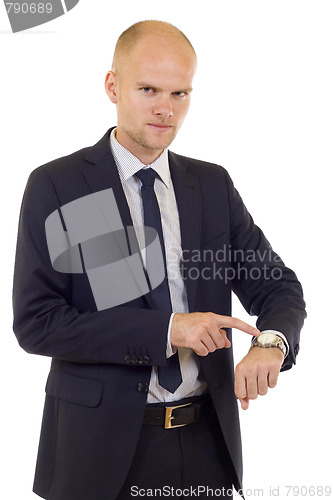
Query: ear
110	86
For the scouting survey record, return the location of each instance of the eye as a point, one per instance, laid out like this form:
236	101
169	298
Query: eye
148	90
180	93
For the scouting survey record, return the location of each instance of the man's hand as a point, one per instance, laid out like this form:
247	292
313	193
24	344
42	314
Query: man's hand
203	332
258	371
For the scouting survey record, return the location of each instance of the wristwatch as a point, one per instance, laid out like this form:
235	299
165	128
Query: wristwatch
268	339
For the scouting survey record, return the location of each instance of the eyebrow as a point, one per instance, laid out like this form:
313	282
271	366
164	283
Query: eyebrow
148	85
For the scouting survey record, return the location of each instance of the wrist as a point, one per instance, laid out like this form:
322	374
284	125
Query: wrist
281	335
269	351
269	339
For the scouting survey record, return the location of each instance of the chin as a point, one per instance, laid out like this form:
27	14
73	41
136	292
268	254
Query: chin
162	144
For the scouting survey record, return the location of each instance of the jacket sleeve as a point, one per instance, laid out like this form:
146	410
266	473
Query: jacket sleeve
265	286
47	320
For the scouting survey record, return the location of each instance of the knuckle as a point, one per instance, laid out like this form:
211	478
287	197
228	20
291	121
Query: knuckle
240	394
239	390
200	329
239	370
220	344
198	334
252	371
200	349
252	395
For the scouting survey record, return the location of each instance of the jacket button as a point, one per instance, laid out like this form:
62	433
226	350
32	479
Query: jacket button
146	360
140	360
142	387
128	359
134	360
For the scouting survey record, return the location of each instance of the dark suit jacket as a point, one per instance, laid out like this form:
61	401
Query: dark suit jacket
97	388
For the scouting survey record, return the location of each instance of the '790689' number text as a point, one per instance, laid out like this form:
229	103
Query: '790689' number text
29	8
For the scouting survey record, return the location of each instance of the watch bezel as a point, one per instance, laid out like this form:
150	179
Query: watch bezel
275	341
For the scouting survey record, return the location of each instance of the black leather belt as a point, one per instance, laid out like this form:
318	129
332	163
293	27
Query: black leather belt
171	417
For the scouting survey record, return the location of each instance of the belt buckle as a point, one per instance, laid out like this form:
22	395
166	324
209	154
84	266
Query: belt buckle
169	417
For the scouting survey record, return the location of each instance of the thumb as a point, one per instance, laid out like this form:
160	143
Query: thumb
245	403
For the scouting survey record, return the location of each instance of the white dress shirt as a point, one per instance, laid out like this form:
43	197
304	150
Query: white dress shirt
128	165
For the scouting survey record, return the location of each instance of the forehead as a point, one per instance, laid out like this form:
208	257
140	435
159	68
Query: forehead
163	60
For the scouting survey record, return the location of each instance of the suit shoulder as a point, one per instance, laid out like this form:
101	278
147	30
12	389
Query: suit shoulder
60	166
200	167
67	167
48	183
41	188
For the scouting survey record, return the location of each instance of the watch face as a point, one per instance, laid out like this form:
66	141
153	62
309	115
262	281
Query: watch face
266	338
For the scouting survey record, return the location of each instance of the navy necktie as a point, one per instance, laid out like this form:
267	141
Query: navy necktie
169	376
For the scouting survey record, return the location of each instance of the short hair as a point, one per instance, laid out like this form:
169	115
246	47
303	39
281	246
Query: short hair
130	37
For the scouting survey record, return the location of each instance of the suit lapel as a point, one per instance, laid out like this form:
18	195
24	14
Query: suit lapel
101	173
187	191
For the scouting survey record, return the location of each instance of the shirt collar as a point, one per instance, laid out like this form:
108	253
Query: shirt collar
128	164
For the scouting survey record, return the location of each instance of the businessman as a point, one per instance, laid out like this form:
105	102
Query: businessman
126	259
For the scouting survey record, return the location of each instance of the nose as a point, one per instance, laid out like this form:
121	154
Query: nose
163	107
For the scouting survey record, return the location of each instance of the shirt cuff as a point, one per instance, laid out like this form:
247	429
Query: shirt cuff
279	334
170	350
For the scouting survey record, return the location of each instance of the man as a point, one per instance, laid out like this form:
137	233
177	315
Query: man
141	397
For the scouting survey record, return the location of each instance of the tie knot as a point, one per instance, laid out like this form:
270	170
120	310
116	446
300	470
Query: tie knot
147	176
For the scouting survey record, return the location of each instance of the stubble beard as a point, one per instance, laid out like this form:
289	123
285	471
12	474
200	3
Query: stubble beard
142	140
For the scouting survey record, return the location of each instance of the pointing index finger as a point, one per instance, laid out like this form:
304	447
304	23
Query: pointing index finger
229	322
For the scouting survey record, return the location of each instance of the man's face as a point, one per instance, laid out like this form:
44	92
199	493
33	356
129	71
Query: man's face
151	89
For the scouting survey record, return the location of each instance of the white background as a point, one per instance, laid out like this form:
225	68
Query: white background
262	107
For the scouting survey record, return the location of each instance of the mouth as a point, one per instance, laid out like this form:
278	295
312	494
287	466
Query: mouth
160	127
